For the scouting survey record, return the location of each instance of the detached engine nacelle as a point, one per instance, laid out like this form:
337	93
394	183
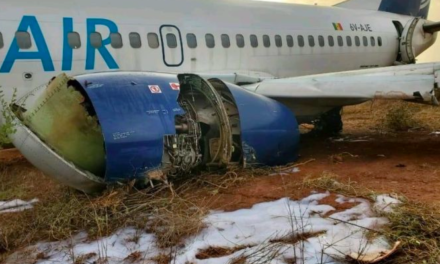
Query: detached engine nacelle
99	129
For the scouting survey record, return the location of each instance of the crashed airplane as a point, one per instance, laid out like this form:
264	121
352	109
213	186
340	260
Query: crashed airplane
92	130
240	76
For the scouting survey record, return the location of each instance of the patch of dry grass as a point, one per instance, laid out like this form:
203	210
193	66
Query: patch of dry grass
392	116
328	181
170	217
400	117
217	252
415	224
63	213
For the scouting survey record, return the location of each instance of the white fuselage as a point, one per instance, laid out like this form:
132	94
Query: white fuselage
49	21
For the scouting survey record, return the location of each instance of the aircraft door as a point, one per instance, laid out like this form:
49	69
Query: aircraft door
172	46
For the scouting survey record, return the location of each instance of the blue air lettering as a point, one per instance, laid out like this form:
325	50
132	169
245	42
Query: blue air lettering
91	27
30	24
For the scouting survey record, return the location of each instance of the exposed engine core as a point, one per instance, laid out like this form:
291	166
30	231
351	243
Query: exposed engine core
104	128
415	40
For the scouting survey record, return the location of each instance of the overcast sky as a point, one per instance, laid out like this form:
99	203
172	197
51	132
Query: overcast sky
433	54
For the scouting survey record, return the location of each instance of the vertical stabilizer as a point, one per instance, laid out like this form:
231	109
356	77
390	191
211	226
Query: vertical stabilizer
415	8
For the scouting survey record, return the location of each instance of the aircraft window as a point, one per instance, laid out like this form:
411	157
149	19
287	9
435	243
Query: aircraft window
311	41
226	42
357	40
254	41
240	41
349	41
23	39
289	40
171	41
210	41
373	41
96	40
321	41
191	40
365	39
278	41
74	40
331	41
1	41
266	41
340	41
116	40
379	41
135	40
153	40
301	41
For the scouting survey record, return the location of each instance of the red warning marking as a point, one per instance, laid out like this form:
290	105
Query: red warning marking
155	89
175	86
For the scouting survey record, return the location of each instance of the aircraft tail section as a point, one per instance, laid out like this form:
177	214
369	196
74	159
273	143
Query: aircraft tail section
416	8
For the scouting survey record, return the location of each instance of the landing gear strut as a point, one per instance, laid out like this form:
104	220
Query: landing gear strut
329	124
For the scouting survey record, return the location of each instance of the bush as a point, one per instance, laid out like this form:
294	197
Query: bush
7	124
400	117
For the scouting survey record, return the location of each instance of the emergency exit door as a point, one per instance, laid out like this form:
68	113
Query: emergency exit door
172	47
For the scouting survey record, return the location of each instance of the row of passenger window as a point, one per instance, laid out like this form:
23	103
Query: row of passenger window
226	43
74	40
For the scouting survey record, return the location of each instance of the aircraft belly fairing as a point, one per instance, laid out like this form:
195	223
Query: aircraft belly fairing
98	129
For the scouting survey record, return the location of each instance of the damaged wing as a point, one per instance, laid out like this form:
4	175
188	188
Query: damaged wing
316	94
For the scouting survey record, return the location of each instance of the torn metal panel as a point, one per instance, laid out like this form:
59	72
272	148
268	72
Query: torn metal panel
135	111
59	119
149	127
269	130
52	164
240	78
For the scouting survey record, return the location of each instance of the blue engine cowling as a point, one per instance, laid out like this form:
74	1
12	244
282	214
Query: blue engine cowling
157	125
